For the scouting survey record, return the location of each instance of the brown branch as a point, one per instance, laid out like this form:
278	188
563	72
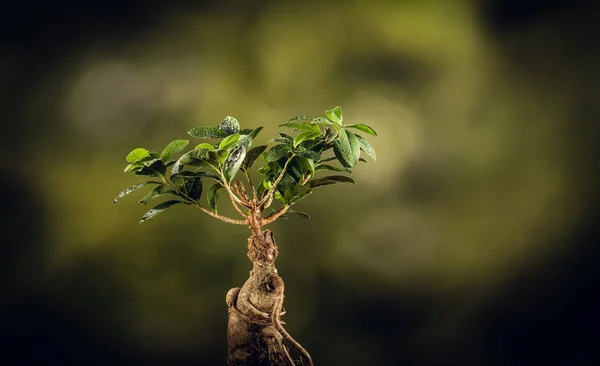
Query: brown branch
250	183
279	287
233	197
269	219
222	218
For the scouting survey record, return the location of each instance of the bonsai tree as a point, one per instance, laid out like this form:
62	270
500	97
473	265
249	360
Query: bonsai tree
291	169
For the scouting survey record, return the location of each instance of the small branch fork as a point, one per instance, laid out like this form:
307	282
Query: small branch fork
251	209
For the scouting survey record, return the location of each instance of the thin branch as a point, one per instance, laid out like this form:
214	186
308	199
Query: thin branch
211	213
279	178
269	219
222	218
254	195
233	197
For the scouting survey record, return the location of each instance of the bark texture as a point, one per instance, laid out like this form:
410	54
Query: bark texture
255	335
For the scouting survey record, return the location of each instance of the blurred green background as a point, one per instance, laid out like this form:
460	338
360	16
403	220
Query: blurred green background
471	241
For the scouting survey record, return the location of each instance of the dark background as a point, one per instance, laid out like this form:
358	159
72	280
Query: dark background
472	241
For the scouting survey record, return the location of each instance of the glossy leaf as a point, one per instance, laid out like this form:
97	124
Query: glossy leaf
133	167
300	118
329	167
229	141
133	188
173	148
156	192
255	132
187	175
363	128
304	215
335	115
286	183
137	155
207	132
286	139
295	194
158	209
156	168
204	145
309	155
222	155
252	155
346	151
264	170
277	152
307	165
234	162
230	125
302	127
309	135
324	121
366	147
213	195
334	179
194	188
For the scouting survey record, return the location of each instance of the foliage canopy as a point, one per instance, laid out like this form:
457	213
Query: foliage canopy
289	167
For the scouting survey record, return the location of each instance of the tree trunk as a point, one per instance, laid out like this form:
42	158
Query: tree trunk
255	335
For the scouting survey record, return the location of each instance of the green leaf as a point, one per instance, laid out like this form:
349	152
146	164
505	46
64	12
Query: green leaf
207	132
230	125
286	183
137	155
265	170
335	115
173	148
229	141
334	179
194	188
295	194
158	209
302	127
304	136
204	145
309	155
255	132
260	189
213	195
234	162
329	167
363	128
324	121
222	155
133	166
245	131
133	188
306	164
277	152
304	215
346	148
188	176
156	192
252	155
297	118
366	147
156	169
286	139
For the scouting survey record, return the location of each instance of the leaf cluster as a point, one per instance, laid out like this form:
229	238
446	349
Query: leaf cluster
308	146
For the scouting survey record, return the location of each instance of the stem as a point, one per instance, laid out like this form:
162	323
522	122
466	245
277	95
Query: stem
269	219
233	197
211	213
279	178
250	183
222	218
